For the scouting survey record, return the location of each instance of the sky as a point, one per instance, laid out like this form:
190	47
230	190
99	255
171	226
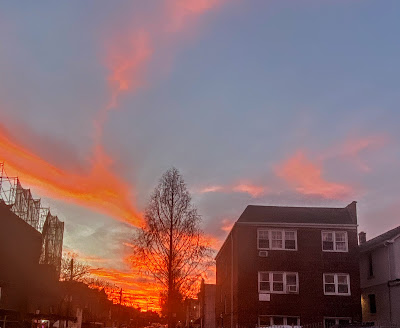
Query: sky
263	102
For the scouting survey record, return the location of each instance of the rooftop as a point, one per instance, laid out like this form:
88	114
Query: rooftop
316	215
379	240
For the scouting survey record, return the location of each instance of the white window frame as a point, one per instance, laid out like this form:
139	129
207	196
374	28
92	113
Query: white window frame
336	319
285	285
285	317
283	231
337	284
334	241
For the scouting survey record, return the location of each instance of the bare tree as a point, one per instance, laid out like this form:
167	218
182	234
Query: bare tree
171	245
73	269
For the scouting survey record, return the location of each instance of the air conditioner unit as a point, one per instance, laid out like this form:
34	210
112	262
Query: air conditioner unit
291	289
263	253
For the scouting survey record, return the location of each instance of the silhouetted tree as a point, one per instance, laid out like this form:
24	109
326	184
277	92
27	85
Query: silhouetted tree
171	245
74	270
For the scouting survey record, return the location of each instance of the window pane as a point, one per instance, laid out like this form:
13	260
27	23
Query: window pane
277	320
264	320
263	239
342	279
277	277
344	321
277	239
277	287
291	279
277	244
327	236
340	236
264	286
343	289
329	278
341	246
291	321
290	235
372	303
276	234
327	245
290	244
263	243
329	288
264	276
329	323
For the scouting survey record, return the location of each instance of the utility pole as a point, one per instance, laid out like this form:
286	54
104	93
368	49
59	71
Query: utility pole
71	274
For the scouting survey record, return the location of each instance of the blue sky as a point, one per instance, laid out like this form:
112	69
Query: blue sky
238	95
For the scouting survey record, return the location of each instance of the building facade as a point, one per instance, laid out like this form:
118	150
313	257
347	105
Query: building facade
289	266
207	305
380	278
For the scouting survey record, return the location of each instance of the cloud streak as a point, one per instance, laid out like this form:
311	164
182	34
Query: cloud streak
306	177
98	188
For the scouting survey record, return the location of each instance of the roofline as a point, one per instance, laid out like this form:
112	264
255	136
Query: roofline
224	243
302	225
366	248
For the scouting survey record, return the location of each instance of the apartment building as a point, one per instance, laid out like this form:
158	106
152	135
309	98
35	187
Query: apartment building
289	266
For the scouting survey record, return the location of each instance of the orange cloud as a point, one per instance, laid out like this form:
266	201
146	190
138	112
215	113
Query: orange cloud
137	290
307	178
227	225
248	188
253	190
354	149
211	189
180	11
98	188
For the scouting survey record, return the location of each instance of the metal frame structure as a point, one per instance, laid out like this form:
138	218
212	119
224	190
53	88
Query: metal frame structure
29	209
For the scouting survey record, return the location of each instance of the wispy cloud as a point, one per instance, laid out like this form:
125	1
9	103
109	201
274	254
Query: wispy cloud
306	177
356	149
98	188
253	190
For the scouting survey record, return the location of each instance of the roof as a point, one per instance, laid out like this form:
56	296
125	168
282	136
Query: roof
379	240
283	214
295	215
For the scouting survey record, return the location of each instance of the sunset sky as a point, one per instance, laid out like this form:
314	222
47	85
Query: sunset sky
263	102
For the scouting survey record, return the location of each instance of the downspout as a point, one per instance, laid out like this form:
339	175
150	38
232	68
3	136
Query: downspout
386	244
231	279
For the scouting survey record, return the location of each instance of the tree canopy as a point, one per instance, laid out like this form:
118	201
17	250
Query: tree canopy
171	246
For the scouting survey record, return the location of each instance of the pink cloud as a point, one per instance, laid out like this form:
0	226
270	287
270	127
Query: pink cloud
227	225
306	178
247	188
356	150
253	190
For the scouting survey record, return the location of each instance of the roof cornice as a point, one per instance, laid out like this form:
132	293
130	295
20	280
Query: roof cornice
302	225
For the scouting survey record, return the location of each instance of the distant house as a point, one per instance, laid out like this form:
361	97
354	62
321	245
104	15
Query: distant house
380	277
289	266
207	305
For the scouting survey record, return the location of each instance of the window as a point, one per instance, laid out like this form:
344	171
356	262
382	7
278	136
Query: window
336	284
278	282
277	239
329	322
268	321
334	241
372	303
370	266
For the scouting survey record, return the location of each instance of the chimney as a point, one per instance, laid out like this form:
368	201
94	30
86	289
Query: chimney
362	238
352	209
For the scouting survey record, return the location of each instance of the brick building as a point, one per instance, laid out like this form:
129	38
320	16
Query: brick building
289	266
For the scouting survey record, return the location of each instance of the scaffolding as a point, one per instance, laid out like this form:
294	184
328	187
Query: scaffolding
52	240
22	204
